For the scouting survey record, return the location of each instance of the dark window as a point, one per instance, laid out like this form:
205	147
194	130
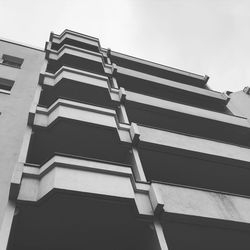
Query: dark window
6	84
12	61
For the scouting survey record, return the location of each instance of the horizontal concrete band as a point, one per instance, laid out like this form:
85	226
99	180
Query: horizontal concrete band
102	81
81	112
68	34
186	109
131	133
156	65
157	80
84	77
75	75
97	57
74	51
105	179
75	36
81	77
194	202
194	144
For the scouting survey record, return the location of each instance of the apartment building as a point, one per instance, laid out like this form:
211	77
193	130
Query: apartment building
102	150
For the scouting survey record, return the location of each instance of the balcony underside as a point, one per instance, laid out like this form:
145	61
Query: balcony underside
198	170
76	138
66	221
181	235
76	62
76	91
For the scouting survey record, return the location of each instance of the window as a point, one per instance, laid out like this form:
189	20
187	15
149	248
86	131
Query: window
12	61
6	85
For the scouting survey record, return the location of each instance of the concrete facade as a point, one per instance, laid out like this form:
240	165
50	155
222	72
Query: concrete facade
14	108
104	150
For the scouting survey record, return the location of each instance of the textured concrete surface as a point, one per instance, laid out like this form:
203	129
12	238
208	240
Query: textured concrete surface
14	110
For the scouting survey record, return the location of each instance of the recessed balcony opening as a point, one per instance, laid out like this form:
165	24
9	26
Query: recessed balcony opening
154	89
76	63
75	91
79	139
194	169
82	45
194	125
181	235
69	221
163	73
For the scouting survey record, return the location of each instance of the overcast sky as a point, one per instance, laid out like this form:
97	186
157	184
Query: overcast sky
208	37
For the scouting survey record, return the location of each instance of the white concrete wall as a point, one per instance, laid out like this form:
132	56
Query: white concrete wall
14	110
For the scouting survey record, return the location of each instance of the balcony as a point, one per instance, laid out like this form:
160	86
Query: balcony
78	129
74	39
168	115
170	90
193	161
75	174
201	219
83	202
75	85
161	71
74	57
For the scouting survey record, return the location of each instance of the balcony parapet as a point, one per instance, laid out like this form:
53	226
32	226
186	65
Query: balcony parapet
87	176
149	136
187	201
71	82
66	173
68	34
177	72
75	75
162	138
74	51
73	110
80	76
78	175
152	102
45	117
212	95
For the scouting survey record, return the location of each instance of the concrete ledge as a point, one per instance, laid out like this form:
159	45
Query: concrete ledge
156	65
76	111
74	51
74	36
211	205
176	85
163	138
81	77
83	176
45	117
185	109
75	75
75	175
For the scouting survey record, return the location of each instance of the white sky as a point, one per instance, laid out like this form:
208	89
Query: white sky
209	37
